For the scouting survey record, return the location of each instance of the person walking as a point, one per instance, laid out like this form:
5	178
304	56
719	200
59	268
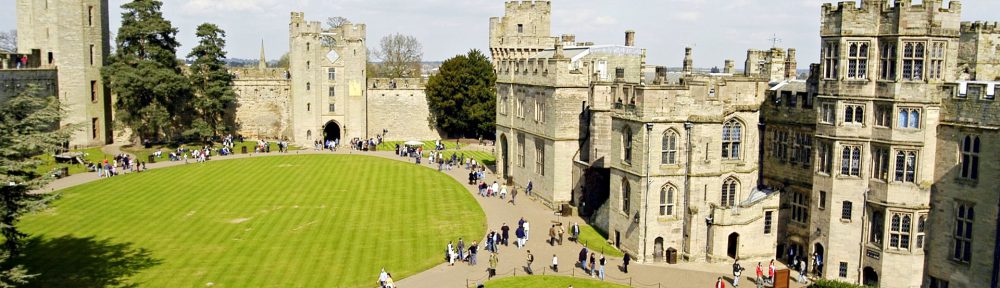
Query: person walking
760	275
593	265
504	234
527	191
527	267
472	253
461	249
625	263
600	271
719	283
527	231
770	272
520	237
494	259
555	263
575	231
552	235
737	271
559	232
583	258
802	271
451	254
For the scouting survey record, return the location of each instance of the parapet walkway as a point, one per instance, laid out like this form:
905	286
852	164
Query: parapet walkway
512	259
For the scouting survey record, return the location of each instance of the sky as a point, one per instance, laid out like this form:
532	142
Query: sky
716	29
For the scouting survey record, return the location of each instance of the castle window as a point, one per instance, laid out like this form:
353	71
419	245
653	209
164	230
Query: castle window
936	69
825	157
970	157
831	55
333	107
626	196
520	28
883	115
963	233
921	230
308	46
308	107
876	226
308	64
913	61
804	149
846	210
827	113
906	165
539	112
822	200
887	64
899	231
92	54
93	127
669	148
93	91
332	92
729	192
90	16
667	200
519	109
539	157
331	74
880	163
308	86
767	221
851	161
857	60
781	145
800	207
732	135
854	114
842	270
627	145
909	118
520	150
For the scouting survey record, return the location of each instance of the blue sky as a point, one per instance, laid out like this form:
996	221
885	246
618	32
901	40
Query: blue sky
717	29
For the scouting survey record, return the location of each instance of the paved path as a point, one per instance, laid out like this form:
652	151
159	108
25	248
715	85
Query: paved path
512	259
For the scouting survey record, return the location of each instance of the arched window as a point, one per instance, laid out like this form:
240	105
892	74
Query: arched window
309	134
308	107
626	196
308	86
627	145
667	200
669	153
729	188
970	157
963	233
732	134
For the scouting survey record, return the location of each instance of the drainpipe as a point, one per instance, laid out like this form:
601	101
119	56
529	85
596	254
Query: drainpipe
687	187
864	223
645	208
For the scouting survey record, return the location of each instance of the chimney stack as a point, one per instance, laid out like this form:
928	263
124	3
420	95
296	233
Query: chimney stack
661	75
791	65
569	39
729	68
560	52
630	38
688	61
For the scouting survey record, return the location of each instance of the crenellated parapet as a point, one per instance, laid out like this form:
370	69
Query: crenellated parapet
902	17
258	74
981	27
543	6
395	84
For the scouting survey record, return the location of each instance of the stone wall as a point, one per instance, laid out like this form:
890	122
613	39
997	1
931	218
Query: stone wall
400	106
979	51
16	81
263	103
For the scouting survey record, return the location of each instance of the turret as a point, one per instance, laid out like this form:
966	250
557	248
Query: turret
688	61
729	68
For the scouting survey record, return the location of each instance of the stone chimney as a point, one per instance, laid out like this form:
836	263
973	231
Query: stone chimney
630	38
568	39
688	61
729	68
560	51
661	75
791	65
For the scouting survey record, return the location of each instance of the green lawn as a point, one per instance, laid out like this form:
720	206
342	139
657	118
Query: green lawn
481	157
547	282
428	145
142	153
282	221
597	242
90	155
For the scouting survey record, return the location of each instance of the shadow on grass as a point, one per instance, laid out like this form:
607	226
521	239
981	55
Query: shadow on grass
83	262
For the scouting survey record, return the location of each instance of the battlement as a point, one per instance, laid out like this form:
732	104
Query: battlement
868	6
298	17
396	83
536	6
252	74
901	17
981	27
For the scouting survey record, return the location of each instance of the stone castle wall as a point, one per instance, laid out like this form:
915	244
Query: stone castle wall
400	107
263	103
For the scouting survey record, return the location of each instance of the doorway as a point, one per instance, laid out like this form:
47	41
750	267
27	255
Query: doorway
870	277
504	150
331	132
658	249
733	247
618	239
818	263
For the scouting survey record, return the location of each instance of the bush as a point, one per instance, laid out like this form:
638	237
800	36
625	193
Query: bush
834	284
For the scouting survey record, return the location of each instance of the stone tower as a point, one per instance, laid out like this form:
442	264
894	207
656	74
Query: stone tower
72	37
327	68
524	30
882	67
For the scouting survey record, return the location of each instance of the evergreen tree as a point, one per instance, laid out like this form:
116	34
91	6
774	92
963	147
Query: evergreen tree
28	129
215	100
462	96
154	98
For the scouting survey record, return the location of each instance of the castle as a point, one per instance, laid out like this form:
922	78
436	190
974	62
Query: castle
323	95
871	164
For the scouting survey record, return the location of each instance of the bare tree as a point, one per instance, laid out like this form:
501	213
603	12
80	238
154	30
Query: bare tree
333	23
399	56
8	41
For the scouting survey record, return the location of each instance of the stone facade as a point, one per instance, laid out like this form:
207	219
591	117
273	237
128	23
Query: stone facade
263	109
71	37
979	51
399	107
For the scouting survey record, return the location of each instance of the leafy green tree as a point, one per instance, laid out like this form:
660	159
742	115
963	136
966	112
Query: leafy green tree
462	96
29	128
154	97
214	98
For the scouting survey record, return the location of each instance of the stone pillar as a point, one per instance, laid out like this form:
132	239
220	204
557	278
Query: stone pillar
791	65
688	61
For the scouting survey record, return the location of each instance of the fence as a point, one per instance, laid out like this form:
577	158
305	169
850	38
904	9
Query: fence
571	272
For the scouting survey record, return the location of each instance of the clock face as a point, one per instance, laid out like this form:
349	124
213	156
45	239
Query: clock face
332	56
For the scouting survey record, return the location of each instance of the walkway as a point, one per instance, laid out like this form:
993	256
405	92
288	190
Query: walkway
512	259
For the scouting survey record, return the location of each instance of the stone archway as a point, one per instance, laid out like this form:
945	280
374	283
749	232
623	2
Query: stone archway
732	249
869	277
331	131
658	249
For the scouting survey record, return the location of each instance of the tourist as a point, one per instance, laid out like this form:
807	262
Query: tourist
593	265
503	191
449	254
504	234
818	264
600	272
527	231
495	188
527	267
493	264
802	271
552	235
770	272
583	258
513	194
737	270
575	231
473	251
625	263
461	249
382	278
555	263
528	190
24	61
520	236
760	275
389	283
719	283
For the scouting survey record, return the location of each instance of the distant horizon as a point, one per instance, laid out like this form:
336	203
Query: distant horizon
717	31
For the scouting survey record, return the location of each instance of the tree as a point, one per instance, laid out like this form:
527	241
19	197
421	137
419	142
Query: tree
8	41
29	128
154	97
332	23
283	61
399	56
462	96
215	100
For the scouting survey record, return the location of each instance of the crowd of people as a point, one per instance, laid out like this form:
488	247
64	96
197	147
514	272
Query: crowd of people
120	164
